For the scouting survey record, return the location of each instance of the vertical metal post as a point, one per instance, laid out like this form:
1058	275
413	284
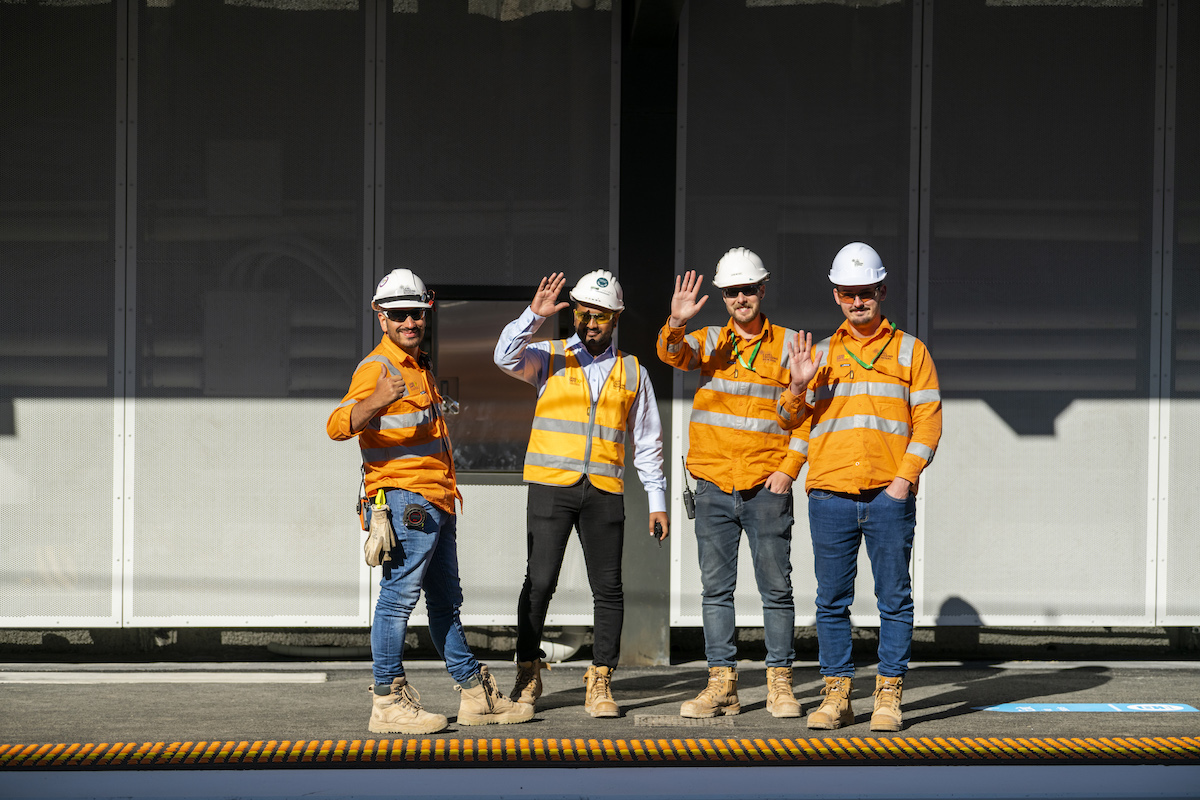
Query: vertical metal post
1161	268
125	295
679	407
374	144
919	224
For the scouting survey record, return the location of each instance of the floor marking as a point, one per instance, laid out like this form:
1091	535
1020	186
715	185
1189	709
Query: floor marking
162	677
1091	707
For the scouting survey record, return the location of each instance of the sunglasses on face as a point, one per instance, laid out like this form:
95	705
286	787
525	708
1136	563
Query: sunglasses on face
731	292
601	317
866	295
401	314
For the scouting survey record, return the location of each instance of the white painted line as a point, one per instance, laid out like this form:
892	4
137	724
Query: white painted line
162	677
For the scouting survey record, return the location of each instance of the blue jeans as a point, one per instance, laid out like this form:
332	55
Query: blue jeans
837	524
425	559
767	519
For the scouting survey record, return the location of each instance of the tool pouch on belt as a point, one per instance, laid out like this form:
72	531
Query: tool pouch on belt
380	540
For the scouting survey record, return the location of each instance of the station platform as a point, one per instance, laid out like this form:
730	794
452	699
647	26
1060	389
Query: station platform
988	730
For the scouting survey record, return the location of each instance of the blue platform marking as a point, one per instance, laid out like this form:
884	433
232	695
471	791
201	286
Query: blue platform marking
1089	707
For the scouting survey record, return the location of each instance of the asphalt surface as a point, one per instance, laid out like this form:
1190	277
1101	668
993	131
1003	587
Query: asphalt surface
72	703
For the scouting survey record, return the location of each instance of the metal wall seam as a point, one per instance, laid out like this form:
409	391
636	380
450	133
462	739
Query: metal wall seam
614	144
680	410
125	333
1161	293
918	225
1154	390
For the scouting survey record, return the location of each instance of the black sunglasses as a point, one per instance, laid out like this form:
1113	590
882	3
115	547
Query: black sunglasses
733	291
401	314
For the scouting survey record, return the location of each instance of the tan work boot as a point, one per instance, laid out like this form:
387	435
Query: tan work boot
598	700
718	697
483	704
781	700
835	710
886	716
528	687
397	709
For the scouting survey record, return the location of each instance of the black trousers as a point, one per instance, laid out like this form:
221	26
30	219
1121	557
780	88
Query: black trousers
599	517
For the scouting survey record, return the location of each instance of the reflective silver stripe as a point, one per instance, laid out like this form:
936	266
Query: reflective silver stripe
859	388
924	396
745	389
436	447
868	421
549	461
907	345
554	462
606	470
712	338
560	426
736	423
798	445
348	403
785	358
577	429
389	422
783	413
631	373
377	360
920	450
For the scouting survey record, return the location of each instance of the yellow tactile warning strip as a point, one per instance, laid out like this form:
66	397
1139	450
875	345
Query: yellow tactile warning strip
596	752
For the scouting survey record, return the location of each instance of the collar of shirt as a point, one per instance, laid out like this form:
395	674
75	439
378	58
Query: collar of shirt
764	334
576	345
884	330
399	356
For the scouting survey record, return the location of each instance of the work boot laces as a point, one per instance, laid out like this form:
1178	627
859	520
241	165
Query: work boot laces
836	689
527	676
713	688
601	685
887	696
781	682
406	697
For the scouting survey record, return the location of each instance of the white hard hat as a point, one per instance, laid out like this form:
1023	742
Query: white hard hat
857	264
739	267
401	288
599	288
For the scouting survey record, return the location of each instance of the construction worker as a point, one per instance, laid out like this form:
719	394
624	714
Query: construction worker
870	420
592	399
394	409
744	464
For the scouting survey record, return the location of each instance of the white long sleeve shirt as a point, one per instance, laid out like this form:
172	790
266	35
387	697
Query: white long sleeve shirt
527	361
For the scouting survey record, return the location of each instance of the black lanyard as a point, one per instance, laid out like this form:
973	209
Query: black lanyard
877	355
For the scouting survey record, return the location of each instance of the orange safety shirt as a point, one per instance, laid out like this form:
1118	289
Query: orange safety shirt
405	446
867	426
734	438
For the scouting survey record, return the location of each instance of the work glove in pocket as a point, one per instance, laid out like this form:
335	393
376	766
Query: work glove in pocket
381	539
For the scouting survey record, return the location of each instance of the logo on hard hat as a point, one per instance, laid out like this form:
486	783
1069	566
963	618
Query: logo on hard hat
385	280
602	282
858	262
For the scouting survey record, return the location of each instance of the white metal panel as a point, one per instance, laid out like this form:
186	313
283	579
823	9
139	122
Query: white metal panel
1180	546
1038	530
242	515
56	473
491	562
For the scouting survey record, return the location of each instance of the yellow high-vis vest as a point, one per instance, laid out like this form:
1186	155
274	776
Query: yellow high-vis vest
575	434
